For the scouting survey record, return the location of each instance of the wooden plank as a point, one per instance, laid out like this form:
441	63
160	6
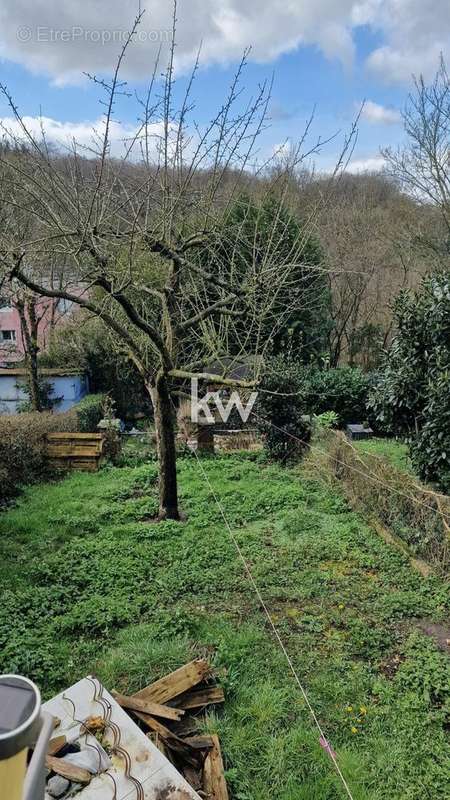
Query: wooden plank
176	682
55	745
91	466
158	727
170	739
158	741
72	452
67	770
214	783
74	435
73	447
86	441
91	441
67	442
148	707
188	726
201	742
200	698
193	777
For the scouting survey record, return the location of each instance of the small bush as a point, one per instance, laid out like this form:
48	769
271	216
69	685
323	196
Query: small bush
326	420
280	413
22	455
89	412
343	390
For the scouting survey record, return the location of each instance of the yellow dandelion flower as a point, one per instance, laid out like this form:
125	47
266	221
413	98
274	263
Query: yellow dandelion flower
349	709
363	710
354	730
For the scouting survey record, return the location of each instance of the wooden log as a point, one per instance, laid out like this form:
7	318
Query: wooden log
175	683
67	770
200	698
214	783
148	707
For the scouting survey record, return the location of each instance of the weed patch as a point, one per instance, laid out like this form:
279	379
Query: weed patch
90	584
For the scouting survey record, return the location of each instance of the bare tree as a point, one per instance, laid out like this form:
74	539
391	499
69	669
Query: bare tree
139	233
370	233
423	165
31	311
30	318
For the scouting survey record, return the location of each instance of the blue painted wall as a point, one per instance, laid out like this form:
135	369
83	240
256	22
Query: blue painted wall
72	388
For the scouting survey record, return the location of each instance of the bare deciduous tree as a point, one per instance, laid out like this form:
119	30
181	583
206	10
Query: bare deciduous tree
139	234
370	233
423	165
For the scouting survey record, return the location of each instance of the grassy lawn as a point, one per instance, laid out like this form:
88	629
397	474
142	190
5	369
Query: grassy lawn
394	451
91	583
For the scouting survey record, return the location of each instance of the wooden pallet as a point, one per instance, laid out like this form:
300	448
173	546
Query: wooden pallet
79	451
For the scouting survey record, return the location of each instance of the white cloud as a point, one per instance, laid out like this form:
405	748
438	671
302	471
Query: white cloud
66	38
87	135
63	39
415	33
370	164
376	114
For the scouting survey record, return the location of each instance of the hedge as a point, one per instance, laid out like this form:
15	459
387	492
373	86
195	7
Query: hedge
22	437
22	455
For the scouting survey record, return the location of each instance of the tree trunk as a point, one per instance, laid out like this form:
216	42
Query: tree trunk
35	397
29	328
165	440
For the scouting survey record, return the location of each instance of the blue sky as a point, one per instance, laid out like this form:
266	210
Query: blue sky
366	51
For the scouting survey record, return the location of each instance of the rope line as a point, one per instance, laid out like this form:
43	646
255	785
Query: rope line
370	476
323	740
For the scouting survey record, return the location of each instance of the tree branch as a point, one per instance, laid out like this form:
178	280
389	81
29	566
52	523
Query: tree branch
219	305
208	376
83	303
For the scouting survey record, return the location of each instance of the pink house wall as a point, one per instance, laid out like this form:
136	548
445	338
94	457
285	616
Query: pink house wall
10	352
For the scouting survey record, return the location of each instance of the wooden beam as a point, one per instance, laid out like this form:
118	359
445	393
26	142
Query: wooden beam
200	698
175	683
55	745
201	742
170	739
214	783
69	771
148	707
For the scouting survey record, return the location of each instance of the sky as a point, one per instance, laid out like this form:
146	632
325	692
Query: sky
324	55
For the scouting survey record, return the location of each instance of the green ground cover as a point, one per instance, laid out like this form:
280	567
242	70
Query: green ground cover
393	450
91	583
